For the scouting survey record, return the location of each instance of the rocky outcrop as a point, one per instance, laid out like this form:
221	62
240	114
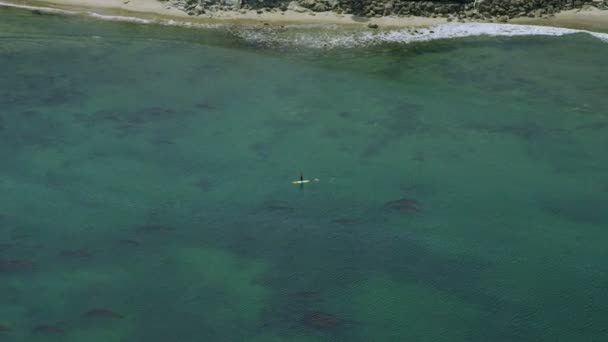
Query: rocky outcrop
461	10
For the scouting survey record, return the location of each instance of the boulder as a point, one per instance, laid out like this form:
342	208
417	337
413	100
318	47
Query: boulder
332	3
294	6
308	3
198	9
319	7
233	3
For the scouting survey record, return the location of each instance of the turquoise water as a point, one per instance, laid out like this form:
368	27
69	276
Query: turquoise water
146	195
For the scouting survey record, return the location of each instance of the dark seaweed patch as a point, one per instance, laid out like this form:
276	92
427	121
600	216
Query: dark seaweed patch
582	209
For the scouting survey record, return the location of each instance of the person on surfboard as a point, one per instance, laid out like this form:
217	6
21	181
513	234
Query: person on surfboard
304	181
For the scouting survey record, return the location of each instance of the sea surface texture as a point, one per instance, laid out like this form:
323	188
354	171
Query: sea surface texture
459	187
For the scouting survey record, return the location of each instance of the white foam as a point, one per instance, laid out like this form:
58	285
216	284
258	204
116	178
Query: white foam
169	22
119	18
336	38
89	14
445	31
36	8
601	36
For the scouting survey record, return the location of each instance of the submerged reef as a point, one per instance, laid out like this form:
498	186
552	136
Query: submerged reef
102	313
403	204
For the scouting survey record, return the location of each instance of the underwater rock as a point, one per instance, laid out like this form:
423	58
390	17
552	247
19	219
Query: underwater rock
102	313
589	209
593	126
523	130
305	293
345	115
277	205
130	242
153	228
76	253
403	204
15	265
261	150
205	185
346	221
205	105
5	245
4	328
131	119
48	329
321	320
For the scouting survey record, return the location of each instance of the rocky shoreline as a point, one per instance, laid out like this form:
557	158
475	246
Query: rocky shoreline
454	10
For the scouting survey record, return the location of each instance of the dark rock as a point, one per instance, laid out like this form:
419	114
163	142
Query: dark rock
48	329
484	10
277	205
152	228
403	204
319	7
76	253
321	320
102	313
372	25
198	10
15	265
308	3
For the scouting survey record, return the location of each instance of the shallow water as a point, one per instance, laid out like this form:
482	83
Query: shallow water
146	196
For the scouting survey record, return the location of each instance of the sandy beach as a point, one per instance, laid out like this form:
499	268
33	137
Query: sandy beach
589	19
153	9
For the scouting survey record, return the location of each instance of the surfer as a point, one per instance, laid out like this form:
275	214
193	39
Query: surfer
303	181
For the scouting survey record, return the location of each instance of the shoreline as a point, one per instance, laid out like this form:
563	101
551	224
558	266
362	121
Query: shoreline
591	19
585	19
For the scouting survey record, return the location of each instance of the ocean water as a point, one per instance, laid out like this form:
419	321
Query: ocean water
459	193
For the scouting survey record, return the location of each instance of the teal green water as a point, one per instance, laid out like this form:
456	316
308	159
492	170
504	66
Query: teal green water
145	187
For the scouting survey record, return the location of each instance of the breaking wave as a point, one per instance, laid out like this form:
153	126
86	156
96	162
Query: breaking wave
337	38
